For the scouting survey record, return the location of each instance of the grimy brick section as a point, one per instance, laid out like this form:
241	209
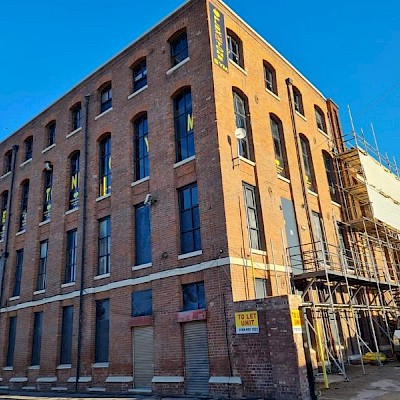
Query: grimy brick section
271	364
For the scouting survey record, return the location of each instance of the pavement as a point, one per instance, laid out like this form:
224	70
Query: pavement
378	383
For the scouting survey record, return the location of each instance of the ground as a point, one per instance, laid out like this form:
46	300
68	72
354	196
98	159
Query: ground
378	383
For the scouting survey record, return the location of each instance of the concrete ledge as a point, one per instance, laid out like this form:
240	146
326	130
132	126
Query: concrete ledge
232	380
5	387
167	379
59	388
47	379
82	379
28	387
119	379
95	389
18	379
144	391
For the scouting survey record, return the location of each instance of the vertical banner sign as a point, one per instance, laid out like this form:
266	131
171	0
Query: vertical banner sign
246	322
218	38
296	321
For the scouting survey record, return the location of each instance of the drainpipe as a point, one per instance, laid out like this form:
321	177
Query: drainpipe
4	254
83	241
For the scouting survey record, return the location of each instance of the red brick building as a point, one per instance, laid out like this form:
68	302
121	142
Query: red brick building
140	207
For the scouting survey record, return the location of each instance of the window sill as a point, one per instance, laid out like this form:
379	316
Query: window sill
312	193
64	366
247	161
8	368
300	115
103	197
100	365
5	175
39	292
273	94
103	276
73	132
65	285
191	254
259	252
336	204
282	178
238	67
141	266
20	232
13	298
103	113
71	211
324	133
186	160
139	181
26	162
44	222
174	68
137	92
48	148
34	367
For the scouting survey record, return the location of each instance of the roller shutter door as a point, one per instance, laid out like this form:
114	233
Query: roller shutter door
143	357
196	358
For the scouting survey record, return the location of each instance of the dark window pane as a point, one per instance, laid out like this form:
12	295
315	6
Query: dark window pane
193	296
18	272
142	235
66	335
252	216
37	338
102	331
12	332
179	49
183	120
142	303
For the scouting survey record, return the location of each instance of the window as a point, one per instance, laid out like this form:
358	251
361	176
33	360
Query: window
51	133
18	272
74	181
70	262
48	184
102	331
12	333
189	219
320	239
24	205
141	143
298	100
66	335
235	51
179	48
142	303
106	98
7	162
105	166
3	215
239	106
37	338
193	296
183	120
28	143
142	235
139	75
308	165
330	175
320	118
76	113
104	246
270	78
279	146
261	288
252	216
41	282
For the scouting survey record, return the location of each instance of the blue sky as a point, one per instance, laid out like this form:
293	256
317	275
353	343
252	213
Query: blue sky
350	50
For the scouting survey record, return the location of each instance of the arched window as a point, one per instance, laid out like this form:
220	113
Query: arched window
235	48
3	213
320	119
279	146
330	175
179	47
74	162
23	213
7	162
76	114
47	193
139	74
298	100
183	121
106	97
28	147
141	147
270	78
308	164
240	108
51	133
105	166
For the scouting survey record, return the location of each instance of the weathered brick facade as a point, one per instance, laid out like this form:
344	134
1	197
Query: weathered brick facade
270	364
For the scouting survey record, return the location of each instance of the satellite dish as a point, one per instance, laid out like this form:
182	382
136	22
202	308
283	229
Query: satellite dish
240	133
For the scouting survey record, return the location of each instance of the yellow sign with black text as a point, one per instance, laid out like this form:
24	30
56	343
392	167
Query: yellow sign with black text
296	321
246	322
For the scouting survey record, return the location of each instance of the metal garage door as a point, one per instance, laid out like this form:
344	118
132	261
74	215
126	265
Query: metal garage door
196	358
143	357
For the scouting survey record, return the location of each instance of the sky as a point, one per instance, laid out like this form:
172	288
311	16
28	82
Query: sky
350	50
